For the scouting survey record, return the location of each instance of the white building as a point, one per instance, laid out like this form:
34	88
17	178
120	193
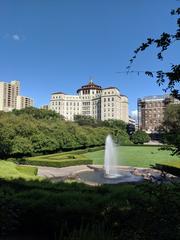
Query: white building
23	102
10	97
91	100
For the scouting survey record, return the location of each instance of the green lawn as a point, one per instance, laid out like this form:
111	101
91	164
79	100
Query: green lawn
9	170
138	156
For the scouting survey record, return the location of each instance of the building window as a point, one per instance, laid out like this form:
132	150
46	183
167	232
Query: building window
112	99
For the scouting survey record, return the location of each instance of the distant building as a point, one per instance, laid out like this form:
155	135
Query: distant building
23	102
131	126
46	107
10	97
132	121
91	100
151	111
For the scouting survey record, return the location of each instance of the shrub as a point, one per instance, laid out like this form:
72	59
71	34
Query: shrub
59	163
140	137
167	169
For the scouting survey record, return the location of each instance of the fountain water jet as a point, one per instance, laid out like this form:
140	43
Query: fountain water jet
111	173
110	159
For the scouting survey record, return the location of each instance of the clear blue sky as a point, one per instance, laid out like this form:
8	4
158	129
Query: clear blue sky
55	45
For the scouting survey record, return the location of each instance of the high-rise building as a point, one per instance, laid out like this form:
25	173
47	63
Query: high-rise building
91	100
23	102
151	111
10	97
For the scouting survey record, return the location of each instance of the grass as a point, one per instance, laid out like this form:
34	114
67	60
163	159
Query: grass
138	156
9	170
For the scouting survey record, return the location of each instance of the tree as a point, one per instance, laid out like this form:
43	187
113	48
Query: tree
112	123
172	77
85	120
21	146
171	127
140	137
38	113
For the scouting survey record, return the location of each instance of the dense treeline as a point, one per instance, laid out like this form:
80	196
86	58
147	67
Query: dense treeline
36	131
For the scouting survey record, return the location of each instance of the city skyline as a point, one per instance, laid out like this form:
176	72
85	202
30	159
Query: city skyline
57	46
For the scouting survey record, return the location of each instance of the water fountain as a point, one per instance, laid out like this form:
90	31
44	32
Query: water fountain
111	172
110	159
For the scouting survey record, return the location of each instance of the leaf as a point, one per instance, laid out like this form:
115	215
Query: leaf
148	73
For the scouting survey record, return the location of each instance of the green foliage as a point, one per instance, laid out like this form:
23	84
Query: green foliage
38	113
116	124
121	137
165	40
86	120
72	158
168	169
75	211
58	164
140	137
21	146
35	131
171	127
9	170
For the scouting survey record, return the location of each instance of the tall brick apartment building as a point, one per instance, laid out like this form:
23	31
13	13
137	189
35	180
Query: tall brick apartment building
151	111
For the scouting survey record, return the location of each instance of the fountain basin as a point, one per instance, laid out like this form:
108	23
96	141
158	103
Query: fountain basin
98	177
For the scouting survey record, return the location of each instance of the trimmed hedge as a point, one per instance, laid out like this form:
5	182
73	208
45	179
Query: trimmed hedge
59	164
59	160
32	171
167	169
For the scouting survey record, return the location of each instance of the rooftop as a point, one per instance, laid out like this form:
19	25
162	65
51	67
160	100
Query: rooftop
58	93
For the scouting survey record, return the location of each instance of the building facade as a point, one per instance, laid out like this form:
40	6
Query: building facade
151	111
23	102
91	100
10	97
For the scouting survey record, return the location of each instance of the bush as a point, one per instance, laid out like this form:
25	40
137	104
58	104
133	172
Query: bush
59	164
140	137
75	211
167	169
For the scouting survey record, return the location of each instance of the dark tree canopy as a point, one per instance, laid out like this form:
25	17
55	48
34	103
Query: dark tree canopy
140	137
170	79
171	127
